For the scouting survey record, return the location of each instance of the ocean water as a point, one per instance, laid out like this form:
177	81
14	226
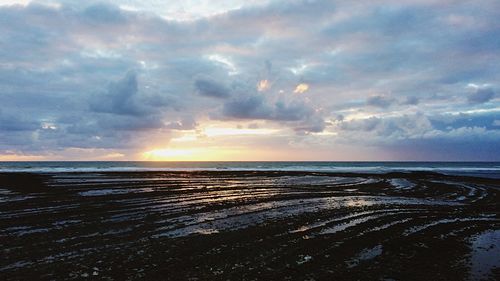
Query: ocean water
486	169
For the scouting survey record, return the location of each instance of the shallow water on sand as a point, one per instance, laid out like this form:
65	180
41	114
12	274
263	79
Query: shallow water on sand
485	254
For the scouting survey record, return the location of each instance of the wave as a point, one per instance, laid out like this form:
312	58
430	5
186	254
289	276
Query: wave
481	169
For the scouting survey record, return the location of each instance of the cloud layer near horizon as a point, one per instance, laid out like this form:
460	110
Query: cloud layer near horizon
375	79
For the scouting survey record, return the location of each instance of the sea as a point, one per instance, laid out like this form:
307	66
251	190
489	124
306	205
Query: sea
482	169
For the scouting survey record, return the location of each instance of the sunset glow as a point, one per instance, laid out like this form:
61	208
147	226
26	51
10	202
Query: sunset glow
171	154
263	85
201	154
301	88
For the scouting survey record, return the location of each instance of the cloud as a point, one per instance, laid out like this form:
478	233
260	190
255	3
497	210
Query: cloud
104	14
291	111
210	88
248	104
121	98
379	101
480	95
312	124
11	122
129	123
411	100
297	114
384	131
431	134
187	123
247	107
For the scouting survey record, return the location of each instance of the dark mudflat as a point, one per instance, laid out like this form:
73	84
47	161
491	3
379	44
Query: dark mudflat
248	226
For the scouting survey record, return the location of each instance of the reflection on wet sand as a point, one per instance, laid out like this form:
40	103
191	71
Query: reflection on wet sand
248	225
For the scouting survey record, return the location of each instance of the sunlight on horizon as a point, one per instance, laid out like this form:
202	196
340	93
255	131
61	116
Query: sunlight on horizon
195	154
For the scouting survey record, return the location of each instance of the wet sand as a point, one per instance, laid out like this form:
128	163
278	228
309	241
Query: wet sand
248	226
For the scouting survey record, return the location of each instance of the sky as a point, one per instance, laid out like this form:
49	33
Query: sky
415	80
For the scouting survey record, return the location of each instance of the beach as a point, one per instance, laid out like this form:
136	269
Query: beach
248	225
